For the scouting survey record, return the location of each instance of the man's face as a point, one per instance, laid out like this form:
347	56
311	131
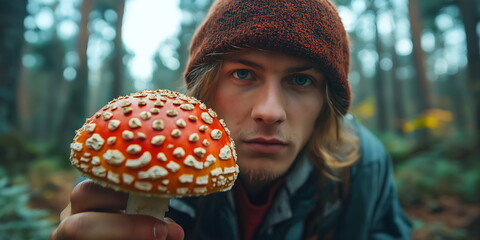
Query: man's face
270	102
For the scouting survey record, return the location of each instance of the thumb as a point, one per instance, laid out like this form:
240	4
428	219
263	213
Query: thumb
175	232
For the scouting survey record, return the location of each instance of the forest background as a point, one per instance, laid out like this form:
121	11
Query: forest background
415	75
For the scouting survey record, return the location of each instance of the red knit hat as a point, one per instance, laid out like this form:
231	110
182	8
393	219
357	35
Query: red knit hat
310	29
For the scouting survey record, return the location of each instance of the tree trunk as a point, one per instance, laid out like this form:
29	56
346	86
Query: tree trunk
379	82
76	110
117	83
12	15
398	89
419	56
421	86
468	9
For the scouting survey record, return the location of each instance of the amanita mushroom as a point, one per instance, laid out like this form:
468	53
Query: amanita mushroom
156	145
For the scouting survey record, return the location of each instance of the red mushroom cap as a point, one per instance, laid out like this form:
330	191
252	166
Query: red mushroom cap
156	143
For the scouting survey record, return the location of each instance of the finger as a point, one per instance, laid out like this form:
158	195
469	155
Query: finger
87	196
66	212
109	226
175	231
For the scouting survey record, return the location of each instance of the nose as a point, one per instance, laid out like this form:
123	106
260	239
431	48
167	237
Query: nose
269	106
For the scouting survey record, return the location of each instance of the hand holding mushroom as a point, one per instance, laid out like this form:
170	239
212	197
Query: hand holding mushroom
156	145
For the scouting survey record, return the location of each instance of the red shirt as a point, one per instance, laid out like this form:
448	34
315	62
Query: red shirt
250	216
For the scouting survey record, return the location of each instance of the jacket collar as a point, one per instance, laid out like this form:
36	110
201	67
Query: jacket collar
281	207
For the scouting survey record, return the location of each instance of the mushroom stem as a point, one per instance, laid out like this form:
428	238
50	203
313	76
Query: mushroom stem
152	206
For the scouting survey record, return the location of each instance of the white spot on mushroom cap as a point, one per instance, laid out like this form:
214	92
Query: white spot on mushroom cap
140	162
159	104
99	171
173	166
212	113
134	123
187	107
181	123
134	149
158	124
225	153
202	128
216	134
75	162
84	167
185	178
176	133
221	181
125	103
113	157
142	102
207	118
154	110
113	125
228	170
200	152
127	178
154	172
161	156
202	180
76	146
127	135
192	162
193	118
216	172
144	186
141	135
95	161
111	140
107	116
200	190
209	161
90	127
182	191
172	113
95	142
152	97
157	140
114	177
193	137
127	110
179	152
145	115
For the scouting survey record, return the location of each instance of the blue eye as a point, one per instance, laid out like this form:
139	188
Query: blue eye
242	74
301	80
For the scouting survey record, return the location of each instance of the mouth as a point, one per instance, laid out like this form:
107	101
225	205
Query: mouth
264	145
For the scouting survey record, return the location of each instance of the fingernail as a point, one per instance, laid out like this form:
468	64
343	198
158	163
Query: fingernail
160	231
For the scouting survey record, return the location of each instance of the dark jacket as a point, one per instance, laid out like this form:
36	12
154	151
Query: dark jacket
371	211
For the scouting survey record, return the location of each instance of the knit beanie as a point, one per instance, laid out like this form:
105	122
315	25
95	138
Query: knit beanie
309	29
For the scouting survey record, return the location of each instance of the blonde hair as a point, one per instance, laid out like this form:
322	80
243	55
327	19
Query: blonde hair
332	146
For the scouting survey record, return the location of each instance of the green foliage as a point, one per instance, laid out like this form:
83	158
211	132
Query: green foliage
18	221
440	231
442	169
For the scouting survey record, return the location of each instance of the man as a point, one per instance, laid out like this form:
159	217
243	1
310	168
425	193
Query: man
276	72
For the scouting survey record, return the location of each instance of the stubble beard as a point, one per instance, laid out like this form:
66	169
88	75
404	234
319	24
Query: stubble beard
259	175
255	172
